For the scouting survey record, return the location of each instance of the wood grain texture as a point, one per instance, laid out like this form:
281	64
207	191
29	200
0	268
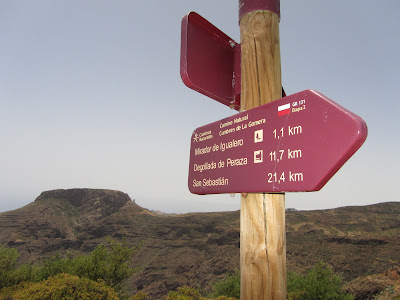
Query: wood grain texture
261	60
262	216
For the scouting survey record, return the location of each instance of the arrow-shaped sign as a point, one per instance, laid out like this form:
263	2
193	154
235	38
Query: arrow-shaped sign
294	144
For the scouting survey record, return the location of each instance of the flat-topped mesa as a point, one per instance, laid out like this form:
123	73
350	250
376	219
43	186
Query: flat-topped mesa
95	202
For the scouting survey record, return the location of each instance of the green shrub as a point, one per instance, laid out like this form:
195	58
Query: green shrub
51	267
229	287
319	283
185	293
7	293
8	258
64	286
9	273
109	262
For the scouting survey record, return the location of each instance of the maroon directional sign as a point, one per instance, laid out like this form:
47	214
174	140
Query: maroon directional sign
293	144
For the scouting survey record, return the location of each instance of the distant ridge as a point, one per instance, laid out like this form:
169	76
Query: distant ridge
89	205
88	197
198	248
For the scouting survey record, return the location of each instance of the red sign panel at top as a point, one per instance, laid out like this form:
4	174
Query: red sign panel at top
210	60
293	144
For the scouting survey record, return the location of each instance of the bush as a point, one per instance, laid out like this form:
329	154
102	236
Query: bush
184	293
229	287
8	258
9	273
64	286
319	283
107	262
110	262
8	292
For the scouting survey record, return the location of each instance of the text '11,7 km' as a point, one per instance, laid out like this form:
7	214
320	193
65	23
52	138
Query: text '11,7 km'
294	144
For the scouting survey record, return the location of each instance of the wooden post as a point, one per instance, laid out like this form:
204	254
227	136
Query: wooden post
262	216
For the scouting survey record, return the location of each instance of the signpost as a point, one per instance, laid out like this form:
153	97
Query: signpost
294	144
275	145
262	216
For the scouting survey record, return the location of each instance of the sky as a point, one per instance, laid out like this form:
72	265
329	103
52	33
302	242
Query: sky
91	96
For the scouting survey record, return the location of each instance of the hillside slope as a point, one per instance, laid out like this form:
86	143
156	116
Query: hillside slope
196	249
